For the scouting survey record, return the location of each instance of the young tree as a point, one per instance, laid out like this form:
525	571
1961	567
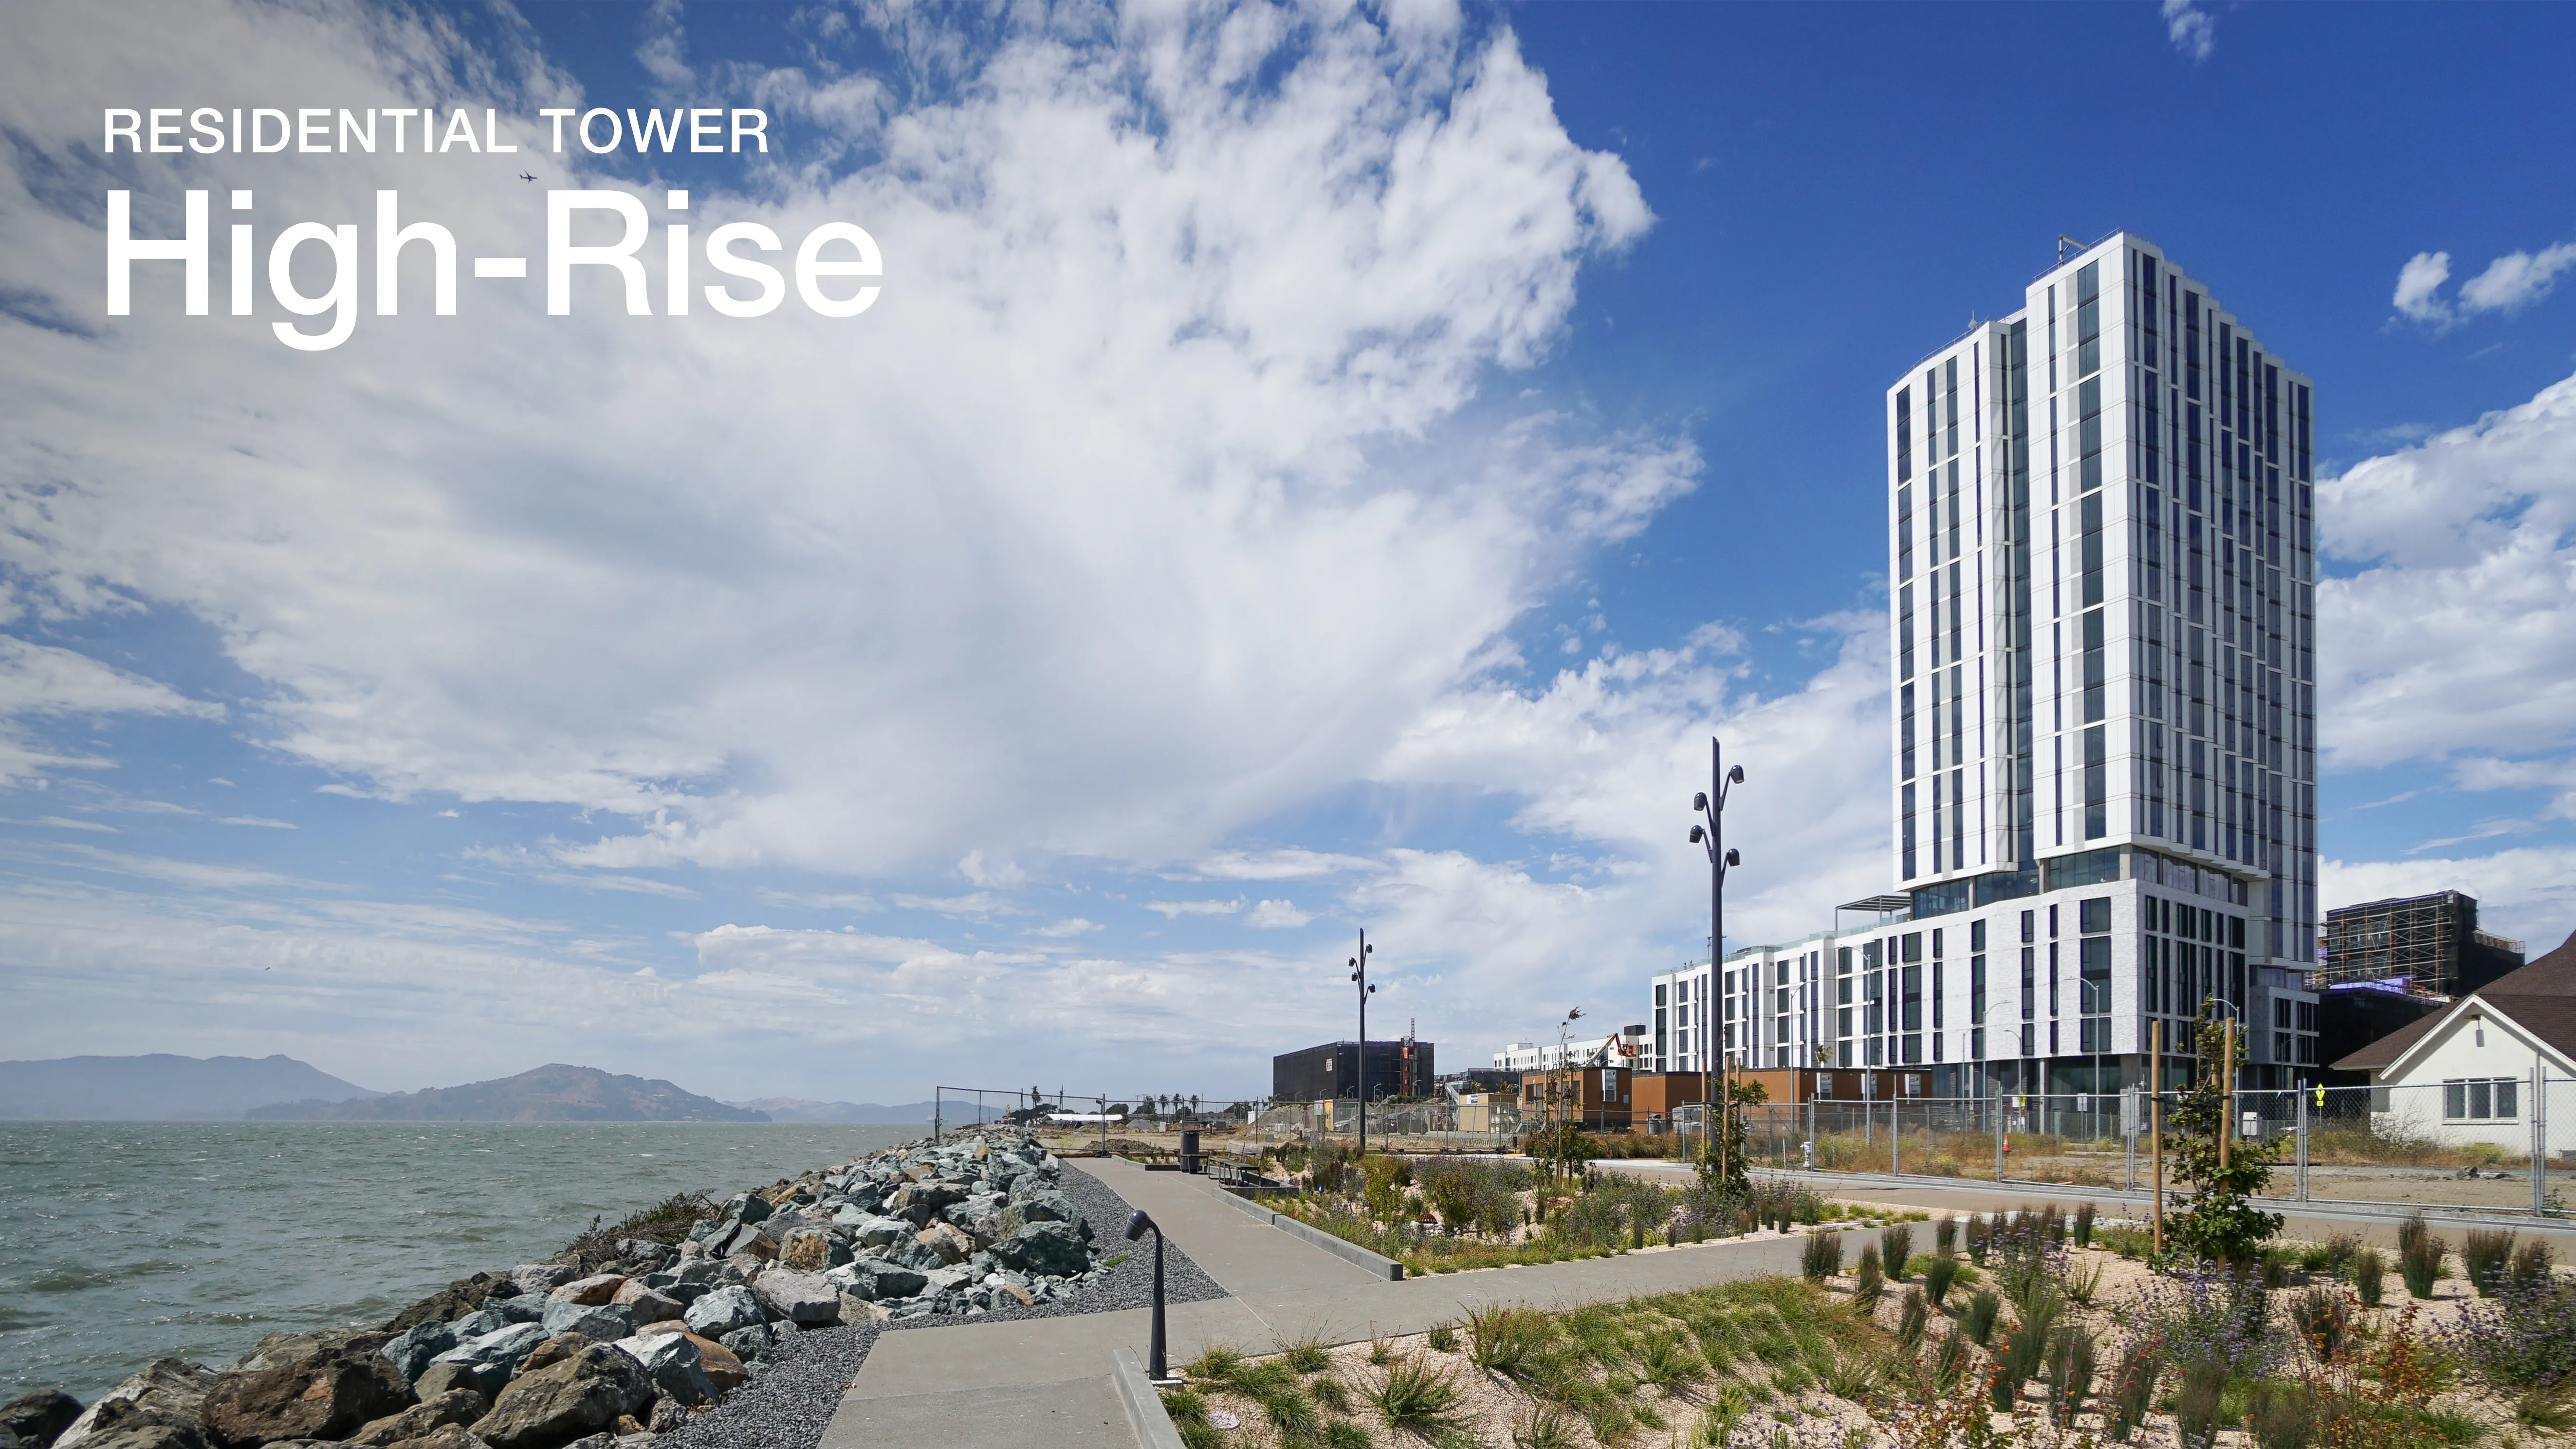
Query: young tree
1721	1163
2220	1224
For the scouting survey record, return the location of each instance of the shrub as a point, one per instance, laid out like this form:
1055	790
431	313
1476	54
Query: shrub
2205	1313
1945	1236
2132	1387
1938	1276
1443	1338
1917	1316
2084	1225
2196	1403
2483	1256
1545	1426
1506	1340
2321	1317
2419	1255
2070	1372
2369	1272
1979	1321
1895	1249
2275	1265
2524	1337
2530	1264
1868	1280
1306	1355
1823	1257
1981	1237
2281	1416
1415	1397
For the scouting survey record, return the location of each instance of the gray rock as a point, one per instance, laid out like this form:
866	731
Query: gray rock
456	1406
573	1396
1048	1249
852	1216
442	1378
747	1207
954	1278
723	1311
601	1323
492	1356
169	1392
38	1419
542	1278
414	1347
674	1364
881	1232
802	1298
749	1342
878	1279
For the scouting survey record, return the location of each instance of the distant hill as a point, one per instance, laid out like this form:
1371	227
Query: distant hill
552	1093
161	1087
904	1114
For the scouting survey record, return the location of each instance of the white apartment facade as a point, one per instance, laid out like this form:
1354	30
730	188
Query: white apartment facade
1530	1056
2101	667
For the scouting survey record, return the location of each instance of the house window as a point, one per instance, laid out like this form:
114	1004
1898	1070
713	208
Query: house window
2482	1099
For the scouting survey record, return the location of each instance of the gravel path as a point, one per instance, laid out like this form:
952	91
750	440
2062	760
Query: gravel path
790	1403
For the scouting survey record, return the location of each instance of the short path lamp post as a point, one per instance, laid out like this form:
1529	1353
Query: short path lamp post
1137	1226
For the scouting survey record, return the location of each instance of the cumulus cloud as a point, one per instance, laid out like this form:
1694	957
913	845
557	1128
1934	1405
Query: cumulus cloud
2510	283
2464	607
2528	893
1180	324
1277	915
2190	28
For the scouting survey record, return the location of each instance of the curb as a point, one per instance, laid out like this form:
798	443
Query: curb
1144	1407
1385	1267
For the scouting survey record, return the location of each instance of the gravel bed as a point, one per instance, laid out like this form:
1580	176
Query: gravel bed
791	1401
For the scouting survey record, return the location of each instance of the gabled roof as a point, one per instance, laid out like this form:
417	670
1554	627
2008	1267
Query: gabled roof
2540	998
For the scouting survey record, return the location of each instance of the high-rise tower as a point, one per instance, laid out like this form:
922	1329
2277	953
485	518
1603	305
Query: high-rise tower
2102	565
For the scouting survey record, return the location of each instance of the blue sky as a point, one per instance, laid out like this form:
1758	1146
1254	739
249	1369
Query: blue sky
1308	471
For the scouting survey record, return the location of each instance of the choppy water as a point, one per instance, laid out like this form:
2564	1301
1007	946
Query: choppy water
122	1242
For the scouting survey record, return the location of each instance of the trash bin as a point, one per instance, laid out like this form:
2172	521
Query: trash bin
1189	1149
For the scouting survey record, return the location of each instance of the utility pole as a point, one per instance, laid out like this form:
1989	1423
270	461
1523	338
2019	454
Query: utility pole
1711	807
2156	1123
1359	974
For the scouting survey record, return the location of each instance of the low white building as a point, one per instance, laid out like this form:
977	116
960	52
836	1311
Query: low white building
1617	1050
2470	1073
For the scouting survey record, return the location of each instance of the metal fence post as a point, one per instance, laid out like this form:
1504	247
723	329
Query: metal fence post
1999	1132
2539	1142
2303	1144
1895	1134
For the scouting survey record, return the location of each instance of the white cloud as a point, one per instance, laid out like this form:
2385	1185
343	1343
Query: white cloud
2509	284
1174	910
2418	281
2466	608
258	820
1293	863
2190	28
2517	279
1050	547
1277	915
1068	928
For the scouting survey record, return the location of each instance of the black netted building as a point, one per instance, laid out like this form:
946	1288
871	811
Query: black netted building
1395	1069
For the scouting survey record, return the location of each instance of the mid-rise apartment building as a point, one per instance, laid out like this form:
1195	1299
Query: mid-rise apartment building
2101	564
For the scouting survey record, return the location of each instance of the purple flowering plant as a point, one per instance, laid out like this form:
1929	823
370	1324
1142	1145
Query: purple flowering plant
2205	1313
2524	1336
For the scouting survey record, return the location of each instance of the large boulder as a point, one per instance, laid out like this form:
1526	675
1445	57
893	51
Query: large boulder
1044	1249
564	1400
454	1301
801	1298
38	1419
948	1241
445	1436
443	1377
411	1350
324	1394
749	1207
877	1278
601	1323
1045	1206
674	1363
594	1290
456	1406
169	1391
490	1357
126	1425
646	1304
877	1232
917	1203
723	1369
724	1310
811	1250
543	1277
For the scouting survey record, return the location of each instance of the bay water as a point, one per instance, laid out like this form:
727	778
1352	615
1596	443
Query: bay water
123	1242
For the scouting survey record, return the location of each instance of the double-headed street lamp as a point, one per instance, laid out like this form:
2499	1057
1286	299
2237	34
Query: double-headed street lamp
1712	835
1359	976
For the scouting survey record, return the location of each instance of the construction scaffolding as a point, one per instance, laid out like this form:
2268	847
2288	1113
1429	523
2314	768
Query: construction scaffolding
2430	942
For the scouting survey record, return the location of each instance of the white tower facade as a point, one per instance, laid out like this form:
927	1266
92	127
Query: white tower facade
2101	554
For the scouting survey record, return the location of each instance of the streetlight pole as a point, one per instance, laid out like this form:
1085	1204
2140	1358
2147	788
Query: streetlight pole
1359	975
1712	834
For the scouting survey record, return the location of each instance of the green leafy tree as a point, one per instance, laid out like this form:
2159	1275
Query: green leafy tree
2220	1224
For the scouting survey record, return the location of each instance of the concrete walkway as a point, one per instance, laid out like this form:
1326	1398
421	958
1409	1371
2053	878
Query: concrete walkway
1045	1381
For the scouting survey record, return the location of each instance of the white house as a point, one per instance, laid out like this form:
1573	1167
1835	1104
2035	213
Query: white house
2468	1074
